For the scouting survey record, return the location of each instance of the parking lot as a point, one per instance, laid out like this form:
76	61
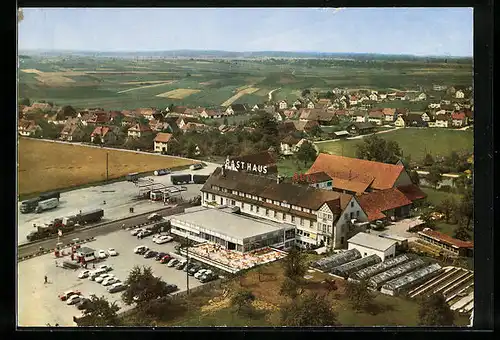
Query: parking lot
119	197
38	303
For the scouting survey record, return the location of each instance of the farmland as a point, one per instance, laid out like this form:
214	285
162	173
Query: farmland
113	83
414	142
44	166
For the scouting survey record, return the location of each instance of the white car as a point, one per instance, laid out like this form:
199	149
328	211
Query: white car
103	277
163	239
84	274
73	299
112	252
109	281
136	231
105	267
102	254
172	262
199	273
140	249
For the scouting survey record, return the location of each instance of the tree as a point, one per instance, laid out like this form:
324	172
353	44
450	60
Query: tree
466	207
315	131
461	183
358	294
191	150
308	310
306	153
447	207
428	160
242	300
143	287
294	264
225	121
453	160
24	101
427	219
305	92
434	176
289	288
434	311
50	131
374	148
67	111
98	313
461	233
415	177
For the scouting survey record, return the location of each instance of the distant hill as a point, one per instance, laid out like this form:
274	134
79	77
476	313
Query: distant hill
215	54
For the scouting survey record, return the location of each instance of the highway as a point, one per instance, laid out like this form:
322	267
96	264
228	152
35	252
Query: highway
86	233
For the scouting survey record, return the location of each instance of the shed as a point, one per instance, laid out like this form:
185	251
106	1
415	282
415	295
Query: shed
85	253
368	244
341	134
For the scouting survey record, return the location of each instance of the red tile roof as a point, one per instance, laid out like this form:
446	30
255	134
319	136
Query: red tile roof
458	116
376	114
412	192
100	131
446	239
389	111
375	203
383	175
163	137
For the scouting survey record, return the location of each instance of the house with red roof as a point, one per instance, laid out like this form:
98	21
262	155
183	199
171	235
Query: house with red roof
458	119
105	134
28	128
376	116
162	140
448	243
139	130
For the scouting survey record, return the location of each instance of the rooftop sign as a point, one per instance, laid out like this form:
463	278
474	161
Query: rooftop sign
244	166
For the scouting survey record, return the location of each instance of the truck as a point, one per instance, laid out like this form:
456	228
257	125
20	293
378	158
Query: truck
31	204
197	166
133	177
48	229
156	195
200	179
180	179
161	172
90	216
48	204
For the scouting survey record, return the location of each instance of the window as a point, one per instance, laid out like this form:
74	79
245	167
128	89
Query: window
293	219
352	215
233	202
267	212
357	213
242	205
329	184
275	214
301	221
352	204
206	195
251	207
257	209
284	216
213	197
346	216
342	240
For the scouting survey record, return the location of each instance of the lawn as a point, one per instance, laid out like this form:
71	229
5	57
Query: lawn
435	197
45	166
289	166
413	142
215	310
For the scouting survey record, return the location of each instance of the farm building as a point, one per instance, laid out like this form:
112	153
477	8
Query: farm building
379	279
336	260
401	242
410	280
348	268
368	272
457	247
368	244
360	128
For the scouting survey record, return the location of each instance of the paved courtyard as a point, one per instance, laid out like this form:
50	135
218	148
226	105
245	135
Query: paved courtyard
400	228
38	303
119	197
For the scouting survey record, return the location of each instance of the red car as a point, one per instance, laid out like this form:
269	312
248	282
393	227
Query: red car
64	296
165	259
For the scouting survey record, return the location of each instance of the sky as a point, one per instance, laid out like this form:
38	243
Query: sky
415	31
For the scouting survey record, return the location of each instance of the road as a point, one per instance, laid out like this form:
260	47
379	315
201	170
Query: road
28	249
270	94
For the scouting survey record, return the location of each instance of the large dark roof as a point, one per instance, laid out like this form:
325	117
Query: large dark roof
261	158
238	107
294	194
362	126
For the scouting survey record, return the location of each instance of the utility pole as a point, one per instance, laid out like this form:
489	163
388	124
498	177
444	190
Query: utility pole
187	271
107	168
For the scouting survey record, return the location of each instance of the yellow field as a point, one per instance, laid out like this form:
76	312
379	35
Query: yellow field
241	93
178	93
147	82
45	166
31	70
147	86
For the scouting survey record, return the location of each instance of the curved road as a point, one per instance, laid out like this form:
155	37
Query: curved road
86	233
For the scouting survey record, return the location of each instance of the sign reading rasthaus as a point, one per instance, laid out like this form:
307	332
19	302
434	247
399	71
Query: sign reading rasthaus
236	165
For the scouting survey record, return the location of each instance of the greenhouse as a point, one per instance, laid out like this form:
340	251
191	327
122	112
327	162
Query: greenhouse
336	260
409	280
381	267
381	278
348	268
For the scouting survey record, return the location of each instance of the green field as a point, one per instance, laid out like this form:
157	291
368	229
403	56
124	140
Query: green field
414	142
435	197
98	80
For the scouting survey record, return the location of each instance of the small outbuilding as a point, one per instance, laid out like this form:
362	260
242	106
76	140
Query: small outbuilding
368	244
85	254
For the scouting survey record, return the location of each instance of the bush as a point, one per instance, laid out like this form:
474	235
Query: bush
446	188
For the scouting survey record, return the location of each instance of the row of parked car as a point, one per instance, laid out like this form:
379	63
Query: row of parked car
101	275
196	270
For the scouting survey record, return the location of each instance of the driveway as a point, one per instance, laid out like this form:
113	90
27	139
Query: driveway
400	228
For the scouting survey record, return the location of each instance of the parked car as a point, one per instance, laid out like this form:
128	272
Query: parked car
136	231
199	273
155	217
150	253
141	250
160	255
170	288
96	273
102	254
188	266
166	259
194	269
64	296
73	299
145	233
163	239
181	265
105	267
84	274
208	277
117	287
172	262
109	281
101	278
112	252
